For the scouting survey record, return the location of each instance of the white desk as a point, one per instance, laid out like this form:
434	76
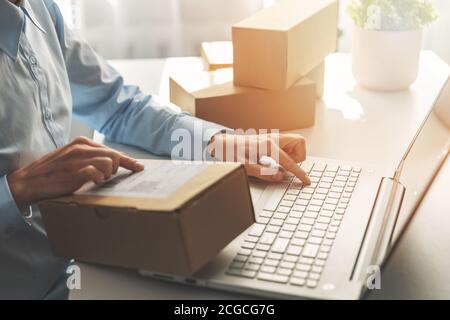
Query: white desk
352	124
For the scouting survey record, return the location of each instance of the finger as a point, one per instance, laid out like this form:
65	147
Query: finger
288	163
119	159
294	145
103	164
258	171
131	164
88	174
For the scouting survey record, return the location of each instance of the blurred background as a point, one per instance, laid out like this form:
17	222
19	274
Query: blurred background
132	29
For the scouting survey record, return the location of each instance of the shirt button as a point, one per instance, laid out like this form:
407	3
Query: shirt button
47	114
33	60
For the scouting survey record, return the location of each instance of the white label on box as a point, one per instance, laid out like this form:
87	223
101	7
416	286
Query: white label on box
159	180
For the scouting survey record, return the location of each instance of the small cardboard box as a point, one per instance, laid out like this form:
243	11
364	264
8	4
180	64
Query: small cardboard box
277	46
217	54
175	231
212	96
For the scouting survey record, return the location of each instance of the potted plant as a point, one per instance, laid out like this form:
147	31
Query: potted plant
386	41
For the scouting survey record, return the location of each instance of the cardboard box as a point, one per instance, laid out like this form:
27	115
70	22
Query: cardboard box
217	54
279	45
212	96
177	233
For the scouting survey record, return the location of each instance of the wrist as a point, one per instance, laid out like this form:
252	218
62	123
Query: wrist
216	141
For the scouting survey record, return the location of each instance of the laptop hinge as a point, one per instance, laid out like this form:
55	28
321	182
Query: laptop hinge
380	230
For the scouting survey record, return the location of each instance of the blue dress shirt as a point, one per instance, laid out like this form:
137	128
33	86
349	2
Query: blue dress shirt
48	73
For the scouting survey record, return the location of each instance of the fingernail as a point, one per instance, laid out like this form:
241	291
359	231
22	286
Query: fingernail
139	165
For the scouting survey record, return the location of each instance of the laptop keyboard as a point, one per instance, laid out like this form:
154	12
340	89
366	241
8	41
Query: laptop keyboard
294	233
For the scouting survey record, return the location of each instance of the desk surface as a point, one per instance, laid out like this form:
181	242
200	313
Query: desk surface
352	124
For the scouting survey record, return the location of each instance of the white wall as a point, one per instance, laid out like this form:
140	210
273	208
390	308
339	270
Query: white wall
159	28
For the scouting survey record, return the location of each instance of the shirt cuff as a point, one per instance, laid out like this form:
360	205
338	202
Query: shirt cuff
198	134
10	215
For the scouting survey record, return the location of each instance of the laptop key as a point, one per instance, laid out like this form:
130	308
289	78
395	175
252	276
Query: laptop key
271	263
308	221
262	220
276	222
284	271
286	234
334	195
280	245
259	254
311	284
314	276
280	215
311	214
300	274
303	267
315	240
319	196
242	273
257	229
320	262
267	238
255	260
283	209
289	197
294	250
322	190
252	239
251	266
262	247
321	226
304	227
286	203
294	192
248	245
240	258
298	242
278	278
268	269
310	250
266	214
275	256
298	282
289	227
274	229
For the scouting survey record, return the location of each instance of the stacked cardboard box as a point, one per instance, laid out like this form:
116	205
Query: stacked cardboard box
278	69
217	54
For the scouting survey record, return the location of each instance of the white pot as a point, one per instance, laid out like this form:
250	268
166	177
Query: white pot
386	60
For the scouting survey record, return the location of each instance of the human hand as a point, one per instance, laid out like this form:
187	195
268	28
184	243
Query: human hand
65	170
287	149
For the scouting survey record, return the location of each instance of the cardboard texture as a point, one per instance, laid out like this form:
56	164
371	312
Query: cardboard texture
176	235
217	54
212	96
277	46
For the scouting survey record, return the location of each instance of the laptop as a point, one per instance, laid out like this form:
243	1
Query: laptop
327	240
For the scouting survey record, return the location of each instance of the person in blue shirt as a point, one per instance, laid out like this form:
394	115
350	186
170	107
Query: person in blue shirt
47	75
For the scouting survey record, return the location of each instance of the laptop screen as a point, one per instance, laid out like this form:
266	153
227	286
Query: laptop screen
424	157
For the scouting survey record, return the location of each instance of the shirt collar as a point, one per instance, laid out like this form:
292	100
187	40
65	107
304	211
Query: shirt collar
12	20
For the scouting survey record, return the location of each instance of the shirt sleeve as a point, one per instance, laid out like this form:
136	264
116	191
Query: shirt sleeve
10	215
122	112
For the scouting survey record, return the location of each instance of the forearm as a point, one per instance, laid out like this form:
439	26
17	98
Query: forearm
151	125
